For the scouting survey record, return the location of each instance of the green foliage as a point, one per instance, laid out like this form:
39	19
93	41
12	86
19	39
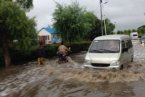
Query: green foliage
1	58
119	32
80	46
25	4
76	47
141	30
21	56
75	23
68	21
90	22
109	26
127	32
51	50
15	25
96	30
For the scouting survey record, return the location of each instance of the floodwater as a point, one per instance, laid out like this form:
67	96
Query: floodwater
70	80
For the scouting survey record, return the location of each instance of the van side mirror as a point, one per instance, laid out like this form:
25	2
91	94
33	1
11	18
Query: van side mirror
124	49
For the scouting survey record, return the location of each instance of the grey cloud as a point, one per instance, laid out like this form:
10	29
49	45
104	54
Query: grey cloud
127	14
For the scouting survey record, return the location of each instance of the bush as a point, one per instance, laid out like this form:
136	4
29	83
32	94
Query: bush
21	56
85	46
82	46
50	50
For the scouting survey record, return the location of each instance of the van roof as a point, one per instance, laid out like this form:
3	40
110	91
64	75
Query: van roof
114	37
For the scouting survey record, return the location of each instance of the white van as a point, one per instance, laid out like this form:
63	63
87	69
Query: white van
110	51
134	35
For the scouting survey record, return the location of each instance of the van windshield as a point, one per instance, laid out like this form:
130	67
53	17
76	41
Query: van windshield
105	46
134	34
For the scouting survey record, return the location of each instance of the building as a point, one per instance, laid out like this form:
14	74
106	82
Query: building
49	35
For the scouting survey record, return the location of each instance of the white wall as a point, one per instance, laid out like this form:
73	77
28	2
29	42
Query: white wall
43	32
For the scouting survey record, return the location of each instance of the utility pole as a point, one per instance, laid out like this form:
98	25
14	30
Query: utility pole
105	27
101	17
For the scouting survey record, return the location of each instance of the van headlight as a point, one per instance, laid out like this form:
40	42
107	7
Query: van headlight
115	63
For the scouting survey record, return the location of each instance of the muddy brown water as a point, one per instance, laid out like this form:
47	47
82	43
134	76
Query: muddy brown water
70	80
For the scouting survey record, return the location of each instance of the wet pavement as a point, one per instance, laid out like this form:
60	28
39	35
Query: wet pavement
70	80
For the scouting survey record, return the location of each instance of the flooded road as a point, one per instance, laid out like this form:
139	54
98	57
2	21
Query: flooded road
70	80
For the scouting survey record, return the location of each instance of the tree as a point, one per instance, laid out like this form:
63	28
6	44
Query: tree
74	22
119	32
109	26
91	26
96	30
67	21
14	25
25	4
127	32
141	30
134	30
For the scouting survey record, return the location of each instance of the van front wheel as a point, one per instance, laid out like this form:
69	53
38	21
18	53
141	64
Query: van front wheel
121	67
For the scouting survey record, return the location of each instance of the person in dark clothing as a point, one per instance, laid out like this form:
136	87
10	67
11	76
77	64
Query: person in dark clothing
41	55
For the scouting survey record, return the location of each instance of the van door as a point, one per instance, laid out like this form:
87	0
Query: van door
124	53
130	50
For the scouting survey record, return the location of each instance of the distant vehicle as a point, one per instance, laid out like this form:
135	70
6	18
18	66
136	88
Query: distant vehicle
110	51
134	35
142	39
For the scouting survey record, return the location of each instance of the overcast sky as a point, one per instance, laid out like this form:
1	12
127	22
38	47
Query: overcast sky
126	14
